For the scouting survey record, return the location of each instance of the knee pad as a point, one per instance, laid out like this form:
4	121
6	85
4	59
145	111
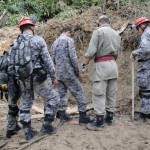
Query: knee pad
13	111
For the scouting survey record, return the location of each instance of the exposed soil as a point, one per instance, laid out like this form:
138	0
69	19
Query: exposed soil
125	134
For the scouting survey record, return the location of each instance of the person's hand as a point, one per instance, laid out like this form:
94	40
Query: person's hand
84	67
55	83
132	57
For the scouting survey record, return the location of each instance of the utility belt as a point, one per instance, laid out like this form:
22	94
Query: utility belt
104	58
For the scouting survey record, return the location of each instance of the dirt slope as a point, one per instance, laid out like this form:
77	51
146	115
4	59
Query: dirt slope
125	135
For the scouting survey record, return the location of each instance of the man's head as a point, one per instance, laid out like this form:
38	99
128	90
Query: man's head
27	23
67	31
104	20
141	24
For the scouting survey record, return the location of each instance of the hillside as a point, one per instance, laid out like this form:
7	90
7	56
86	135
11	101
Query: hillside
125	135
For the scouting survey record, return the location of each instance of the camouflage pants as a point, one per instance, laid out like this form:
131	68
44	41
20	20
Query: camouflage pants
145	101
13	97
143	78
46	91
74	86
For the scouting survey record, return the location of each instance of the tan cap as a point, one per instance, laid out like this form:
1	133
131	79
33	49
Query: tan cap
103	17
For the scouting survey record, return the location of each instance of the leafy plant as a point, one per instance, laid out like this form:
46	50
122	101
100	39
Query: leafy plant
46	9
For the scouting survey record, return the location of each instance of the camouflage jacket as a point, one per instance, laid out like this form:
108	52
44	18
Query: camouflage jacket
142	54
65	59
40	54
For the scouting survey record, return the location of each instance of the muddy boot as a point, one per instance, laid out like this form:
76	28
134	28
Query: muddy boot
84	119
47	125
29	133
140	117
64	117
98	125
12	126
10	133
47	128
109	118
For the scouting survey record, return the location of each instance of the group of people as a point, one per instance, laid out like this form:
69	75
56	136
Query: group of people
57	72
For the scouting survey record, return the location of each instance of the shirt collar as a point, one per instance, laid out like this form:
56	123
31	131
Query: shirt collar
105	25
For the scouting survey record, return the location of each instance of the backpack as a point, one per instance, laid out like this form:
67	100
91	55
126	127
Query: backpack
3	68
20	60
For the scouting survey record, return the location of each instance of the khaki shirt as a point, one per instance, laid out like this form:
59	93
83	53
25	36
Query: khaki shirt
104	41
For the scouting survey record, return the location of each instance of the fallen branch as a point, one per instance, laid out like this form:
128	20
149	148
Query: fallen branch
40	110
32	142
123	28
3	105
74	110
3	144
70	111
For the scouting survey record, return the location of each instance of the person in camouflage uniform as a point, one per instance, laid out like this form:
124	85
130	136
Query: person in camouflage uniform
142	56
41	82
12	126
12	96
65	59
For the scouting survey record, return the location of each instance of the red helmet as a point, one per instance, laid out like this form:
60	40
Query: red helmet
25	20
141	20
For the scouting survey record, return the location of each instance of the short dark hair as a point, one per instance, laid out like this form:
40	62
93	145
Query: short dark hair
65	29
104	19
25	27
145	23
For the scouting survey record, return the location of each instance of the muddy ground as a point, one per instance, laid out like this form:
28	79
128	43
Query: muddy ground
125	134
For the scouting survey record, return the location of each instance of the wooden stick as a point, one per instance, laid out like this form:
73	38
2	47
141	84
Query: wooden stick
3	144
38	109
32	142
74	110
123	28
132	91
118	4
70	111
3	105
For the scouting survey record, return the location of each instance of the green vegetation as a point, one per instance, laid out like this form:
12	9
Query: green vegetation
45	9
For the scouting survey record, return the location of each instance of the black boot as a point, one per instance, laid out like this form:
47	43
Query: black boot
10	133
98	125
12	126
148	116
109	117
84	119
48	128
29	133
64	117
47	125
